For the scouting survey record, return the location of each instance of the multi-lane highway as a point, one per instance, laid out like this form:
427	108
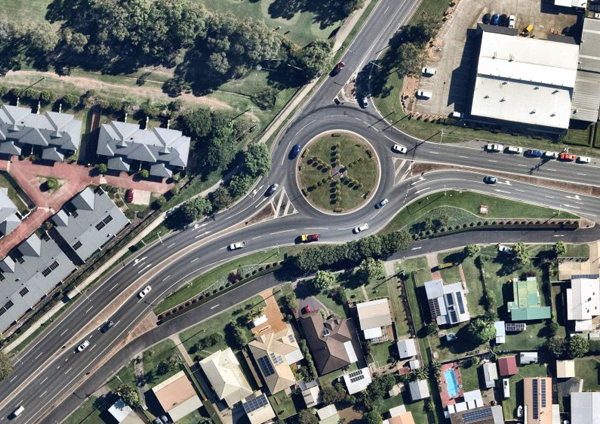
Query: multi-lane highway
49	368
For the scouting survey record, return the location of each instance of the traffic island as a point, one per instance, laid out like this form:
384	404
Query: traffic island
338	172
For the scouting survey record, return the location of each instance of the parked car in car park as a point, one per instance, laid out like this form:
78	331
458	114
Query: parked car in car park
360	228
486	18
567	157
427	71
399	149
534	153
584	159
551	155
422	94
514	150
495	19
503	20
492	147
490	180
512	21
144	292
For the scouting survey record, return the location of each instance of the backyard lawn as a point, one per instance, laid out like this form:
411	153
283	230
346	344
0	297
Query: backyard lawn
470	377
588	369
283	405
380	353
153	356
397	305
125	375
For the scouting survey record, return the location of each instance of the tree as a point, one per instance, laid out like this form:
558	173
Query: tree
560	248
129	394
47	96
102	168
371	269
6	366
471	250
556	346
411	58
194	209
373	417
306	416
256	160
432	328
144	173
314	58
291	301
521	253
239	336
553	328
220	198
577	347
70	100
51	183
330	394
323	280
168	365
239	185
160	201
481	331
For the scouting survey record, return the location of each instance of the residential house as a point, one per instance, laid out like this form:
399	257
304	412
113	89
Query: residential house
311	392
447	302
527	304
274	353
538	400
226	377
123	414
565	369
406	348
471	400
375	319
177	396
163	150
482	415
414	364
8	214
583	301
526	358
328	415
329	340
28	274
418	389
89	221
507	366
52	136
258	409
585	407
500	332
490	374
399	415
357	381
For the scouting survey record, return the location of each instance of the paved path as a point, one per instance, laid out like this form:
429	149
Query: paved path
432	261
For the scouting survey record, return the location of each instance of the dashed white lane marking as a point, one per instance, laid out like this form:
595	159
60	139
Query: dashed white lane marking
257	237
203	234
67	371
13	379
44	380
113	287
63	333
493	161
433	153
550	197
284	231
167	277
92	348
464	157
89	309
216	306
39	354
43	394
194	260
171	245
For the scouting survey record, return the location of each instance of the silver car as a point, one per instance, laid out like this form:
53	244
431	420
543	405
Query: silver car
360	228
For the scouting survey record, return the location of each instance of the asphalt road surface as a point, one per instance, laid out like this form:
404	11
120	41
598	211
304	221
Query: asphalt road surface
48	369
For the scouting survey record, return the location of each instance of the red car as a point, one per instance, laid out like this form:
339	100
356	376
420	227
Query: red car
129	195
567	157
337	69
307	238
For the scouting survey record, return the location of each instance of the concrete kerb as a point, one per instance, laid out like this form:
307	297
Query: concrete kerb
373	191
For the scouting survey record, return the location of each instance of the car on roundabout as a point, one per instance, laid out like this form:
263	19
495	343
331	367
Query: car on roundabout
381	204
144	292
399	149
360	228
488	179
307	238
295	150
272	189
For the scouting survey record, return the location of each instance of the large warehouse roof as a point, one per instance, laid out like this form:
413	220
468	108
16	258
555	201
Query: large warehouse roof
525	80
586	99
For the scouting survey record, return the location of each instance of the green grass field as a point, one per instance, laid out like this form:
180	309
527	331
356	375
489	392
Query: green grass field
588	370
153	356
24	11
86	414
457	204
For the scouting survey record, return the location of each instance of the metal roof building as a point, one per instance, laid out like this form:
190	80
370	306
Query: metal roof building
583	301
373	316
406	348
357	381
447	302
585	407
527	304
525	80
586	99
418	389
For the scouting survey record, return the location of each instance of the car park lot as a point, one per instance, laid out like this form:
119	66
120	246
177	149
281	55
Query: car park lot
453	55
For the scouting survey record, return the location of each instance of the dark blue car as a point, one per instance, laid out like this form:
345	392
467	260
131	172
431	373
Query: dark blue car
295	151
496	19
534	153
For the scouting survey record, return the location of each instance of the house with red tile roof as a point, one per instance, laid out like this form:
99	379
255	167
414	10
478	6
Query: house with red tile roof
507	366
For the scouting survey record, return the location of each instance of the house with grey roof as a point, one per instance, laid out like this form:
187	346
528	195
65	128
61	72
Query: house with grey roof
8	215
52	135
125	145
447	302
89	221
418	390
28	274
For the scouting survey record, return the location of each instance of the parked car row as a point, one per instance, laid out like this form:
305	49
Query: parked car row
498	19
534	153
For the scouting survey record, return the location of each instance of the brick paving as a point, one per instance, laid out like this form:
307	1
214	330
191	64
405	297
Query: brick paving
74	179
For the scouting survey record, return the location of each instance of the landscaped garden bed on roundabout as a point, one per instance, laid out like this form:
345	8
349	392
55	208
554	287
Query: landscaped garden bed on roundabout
338	172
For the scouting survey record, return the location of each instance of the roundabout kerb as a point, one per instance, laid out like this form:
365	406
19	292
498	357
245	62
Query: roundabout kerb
337	172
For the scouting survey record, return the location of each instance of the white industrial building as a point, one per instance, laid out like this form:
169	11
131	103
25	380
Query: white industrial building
586	100
523	80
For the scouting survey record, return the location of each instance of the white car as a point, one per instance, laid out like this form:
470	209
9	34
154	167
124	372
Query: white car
238	245
514	149
83	345
584	159
512	21
360	228
551	155
365	102
428	71
399	149
424	94
494	147
144	292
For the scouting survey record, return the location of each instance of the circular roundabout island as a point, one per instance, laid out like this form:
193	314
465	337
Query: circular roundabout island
338	172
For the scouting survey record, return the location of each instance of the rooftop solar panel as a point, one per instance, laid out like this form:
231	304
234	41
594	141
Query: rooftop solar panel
255	403
356	376
461	305
477	415
536	400
266	366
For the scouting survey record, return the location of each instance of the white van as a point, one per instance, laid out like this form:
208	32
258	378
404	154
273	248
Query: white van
424	94
18	411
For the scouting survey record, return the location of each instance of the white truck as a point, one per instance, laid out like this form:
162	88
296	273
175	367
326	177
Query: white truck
238	245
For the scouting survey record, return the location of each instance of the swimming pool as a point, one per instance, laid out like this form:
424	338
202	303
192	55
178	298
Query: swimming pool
451	383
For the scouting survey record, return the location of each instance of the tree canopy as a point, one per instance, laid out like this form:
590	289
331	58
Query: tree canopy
370	269
129	394
481	330
6	366
323	280
194	209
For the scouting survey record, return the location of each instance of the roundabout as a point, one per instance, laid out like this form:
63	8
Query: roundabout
338	171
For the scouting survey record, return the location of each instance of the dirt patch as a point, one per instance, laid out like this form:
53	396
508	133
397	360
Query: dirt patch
348	93
419	168
410	86
266	213
350	415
